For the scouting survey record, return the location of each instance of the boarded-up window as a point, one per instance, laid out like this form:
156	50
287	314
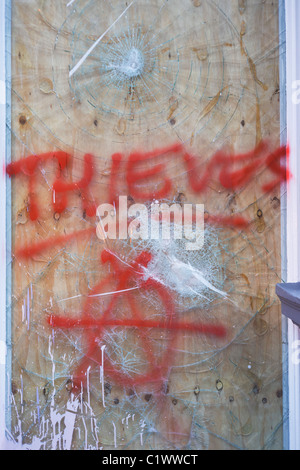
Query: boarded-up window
123	337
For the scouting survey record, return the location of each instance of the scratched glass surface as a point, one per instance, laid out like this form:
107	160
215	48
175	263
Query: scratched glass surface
130	343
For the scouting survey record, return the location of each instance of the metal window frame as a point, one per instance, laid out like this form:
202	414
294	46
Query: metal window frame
291	217
5	55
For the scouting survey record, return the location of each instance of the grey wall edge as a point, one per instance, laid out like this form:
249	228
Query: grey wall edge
283	139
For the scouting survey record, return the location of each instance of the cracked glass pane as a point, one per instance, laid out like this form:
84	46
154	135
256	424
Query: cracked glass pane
146	173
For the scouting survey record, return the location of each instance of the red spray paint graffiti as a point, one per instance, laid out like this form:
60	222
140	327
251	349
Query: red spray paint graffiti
29	167
232	171
221	167
95	326
28	252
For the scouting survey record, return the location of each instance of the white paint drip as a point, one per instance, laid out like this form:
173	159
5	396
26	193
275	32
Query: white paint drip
63	440
55	419
70	417
85	434
142	426
62	426
115	434
102	375
51	342
88	385
38	404
28	310
21	394
126	419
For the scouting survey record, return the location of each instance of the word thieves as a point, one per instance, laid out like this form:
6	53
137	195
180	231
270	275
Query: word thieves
152	222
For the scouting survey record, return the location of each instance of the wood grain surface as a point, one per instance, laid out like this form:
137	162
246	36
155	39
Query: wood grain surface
209	79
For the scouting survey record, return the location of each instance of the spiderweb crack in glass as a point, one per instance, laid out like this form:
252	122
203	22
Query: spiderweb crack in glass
94	327
139	67
130	66
124	67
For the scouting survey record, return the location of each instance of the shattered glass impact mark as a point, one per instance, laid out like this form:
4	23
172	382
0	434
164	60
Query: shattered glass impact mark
200	73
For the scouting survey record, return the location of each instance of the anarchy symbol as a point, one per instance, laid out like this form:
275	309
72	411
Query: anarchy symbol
95	326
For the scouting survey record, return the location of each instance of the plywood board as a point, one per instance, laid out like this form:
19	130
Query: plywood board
186	79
